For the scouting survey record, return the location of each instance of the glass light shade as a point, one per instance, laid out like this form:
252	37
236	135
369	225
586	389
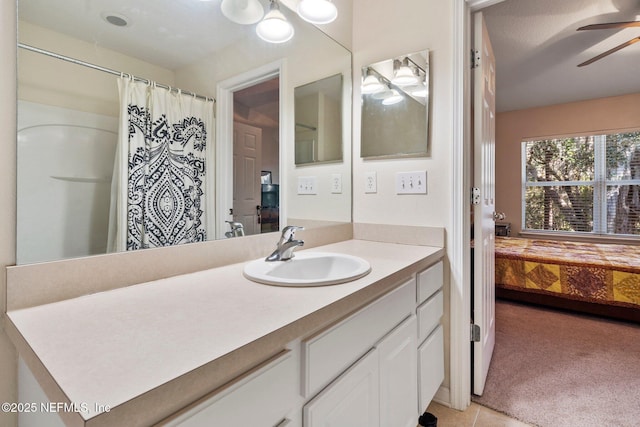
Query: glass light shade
275	28
245	12
384	93
371	84
317	11
404	76
393	98
419	90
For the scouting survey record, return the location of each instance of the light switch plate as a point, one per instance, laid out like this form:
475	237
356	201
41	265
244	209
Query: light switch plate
411	182
307	185
370	182
336	183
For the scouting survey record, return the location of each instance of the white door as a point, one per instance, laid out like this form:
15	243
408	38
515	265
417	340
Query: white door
350	401
247	166
484	203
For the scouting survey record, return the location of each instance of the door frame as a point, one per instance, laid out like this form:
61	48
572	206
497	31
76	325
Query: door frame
460	240
224	135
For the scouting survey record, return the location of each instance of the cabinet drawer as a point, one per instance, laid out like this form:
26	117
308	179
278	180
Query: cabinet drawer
262	397
431	366
429	281
327	354
429	314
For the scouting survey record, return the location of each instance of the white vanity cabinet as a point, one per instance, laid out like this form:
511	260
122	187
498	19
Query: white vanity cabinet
352	400
380	388
377	366
266	396
430	299
399	376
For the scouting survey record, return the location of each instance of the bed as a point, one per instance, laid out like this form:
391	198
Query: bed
602	279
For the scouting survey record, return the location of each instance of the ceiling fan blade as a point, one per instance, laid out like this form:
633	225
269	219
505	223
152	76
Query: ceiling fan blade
610	25
610	51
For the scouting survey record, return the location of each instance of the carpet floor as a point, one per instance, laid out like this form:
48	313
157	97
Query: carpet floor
556	369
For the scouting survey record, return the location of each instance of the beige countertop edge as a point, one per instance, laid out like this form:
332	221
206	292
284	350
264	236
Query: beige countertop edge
162	402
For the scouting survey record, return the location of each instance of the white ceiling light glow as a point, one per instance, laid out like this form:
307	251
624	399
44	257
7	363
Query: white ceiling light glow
245	12
275	28
371	83
419	90
317	11
392	98
403	74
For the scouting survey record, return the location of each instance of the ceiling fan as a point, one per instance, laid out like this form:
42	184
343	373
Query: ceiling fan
607	26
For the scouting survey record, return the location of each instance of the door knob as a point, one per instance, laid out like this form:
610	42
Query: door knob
499	216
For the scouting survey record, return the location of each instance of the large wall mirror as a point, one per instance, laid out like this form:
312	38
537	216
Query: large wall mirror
395	107
96	76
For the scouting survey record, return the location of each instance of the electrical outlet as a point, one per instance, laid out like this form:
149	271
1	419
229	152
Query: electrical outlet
307	185
336	183
411	182
370	182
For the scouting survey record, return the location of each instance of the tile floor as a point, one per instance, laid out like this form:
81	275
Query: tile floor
474	416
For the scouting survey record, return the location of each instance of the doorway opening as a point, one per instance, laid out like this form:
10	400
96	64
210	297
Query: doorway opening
255	98
256	154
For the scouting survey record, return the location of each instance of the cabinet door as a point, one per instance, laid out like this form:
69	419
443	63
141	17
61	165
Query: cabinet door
399	376
431	361
352	400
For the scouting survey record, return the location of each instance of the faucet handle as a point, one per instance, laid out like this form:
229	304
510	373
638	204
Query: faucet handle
289	232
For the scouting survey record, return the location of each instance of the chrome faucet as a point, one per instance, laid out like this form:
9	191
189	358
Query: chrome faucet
237	229
286	244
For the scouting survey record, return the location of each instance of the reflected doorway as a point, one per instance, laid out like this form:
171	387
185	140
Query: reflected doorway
256	153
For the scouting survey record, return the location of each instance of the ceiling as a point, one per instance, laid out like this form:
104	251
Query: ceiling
189	30
536	44
537	50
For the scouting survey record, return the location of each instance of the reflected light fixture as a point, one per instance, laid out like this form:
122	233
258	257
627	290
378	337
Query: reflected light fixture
317	11
419	90
403	74
274	27
371	84
392	98
245	12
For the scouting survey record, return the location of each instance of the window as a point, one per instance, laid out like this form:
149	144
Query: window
583	184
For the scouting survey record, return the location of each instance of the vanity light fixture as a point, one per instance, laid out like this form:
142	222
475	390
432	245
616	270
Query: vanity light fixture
371	83
403	75
274	27
419	90
245	12
317	11
393	97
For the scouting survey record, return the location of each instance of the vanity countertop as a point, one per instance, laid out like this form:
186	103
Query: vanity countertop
123	348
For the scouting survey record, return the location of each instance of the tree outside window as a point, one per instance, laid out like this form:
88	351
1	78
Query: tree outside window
583	184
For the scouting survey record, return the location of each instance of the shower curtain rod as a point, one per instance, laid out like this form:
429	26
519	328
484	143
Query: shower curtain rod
106	70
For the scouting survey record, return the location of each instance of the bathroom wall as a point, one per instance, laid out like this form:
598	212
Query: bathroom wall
8	357
72	86
584	117
382	31
306	62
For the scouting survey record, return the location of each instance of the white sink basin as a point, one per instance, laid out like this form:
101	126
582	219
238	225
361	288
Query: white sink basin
308	269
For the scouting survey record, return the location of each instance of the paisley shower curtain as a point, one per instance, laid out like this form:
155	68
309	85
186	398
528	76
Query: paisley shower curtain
159	192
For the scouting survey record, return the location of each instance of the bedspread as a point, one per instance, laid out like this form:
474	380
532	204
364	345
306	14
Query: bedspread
590	272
